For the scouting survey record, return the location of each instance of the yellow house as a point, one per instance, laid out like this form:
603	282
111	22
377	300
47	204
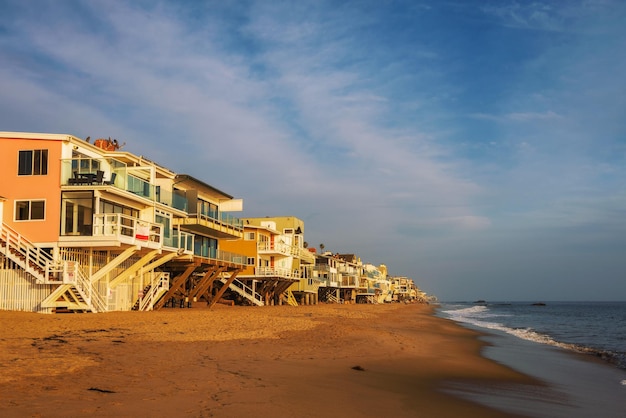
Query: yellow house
278	262
90	227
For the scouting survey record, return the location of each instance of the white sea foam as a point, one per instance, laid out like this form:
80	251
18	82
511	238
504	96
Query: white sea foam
479	315
505	319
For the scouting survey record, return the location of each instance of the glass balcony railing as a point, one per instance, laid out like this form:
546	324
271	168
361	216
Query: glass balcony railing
171	199
114	173
111	172
231	220
223	218
217	254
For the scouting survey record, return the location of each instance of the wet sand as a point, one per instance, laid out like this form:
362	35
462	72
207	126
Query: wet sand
578	385
307	361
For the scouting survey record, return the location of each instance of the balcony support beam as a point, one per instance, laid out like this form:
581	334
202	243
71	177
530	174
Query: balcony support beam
179	281
220	293
130	272
114	263
205	283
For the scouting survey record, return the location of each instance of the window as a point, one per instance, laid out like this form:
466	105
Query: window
164	218
33	162
110	207
126	221
77	213
288	231
208	209
249	236
251	261
30	210
205	246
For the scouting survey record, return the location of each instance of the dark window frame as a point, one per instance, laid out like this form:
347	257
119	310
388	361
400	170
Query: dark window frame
25	208
32	162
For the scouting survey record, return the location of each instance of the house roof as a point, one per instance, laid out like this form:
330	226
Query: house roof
35	135
265	228
190	181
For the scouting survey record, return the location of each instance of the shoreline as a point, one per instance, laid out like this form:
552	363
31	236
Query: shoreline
577	384
330	360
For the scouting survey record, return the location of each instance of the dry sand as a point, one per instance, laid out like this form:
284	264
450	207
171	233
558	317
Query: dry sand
282	361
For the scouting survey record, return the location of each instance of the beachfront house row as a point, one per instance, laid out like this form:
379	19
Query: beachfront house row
277	269
341	278
405	290
89	227
346	279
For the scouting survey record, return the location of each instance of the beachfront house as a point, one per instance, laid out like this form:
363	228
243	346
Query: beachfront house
88	227
346	279
404	289
277	261
339	277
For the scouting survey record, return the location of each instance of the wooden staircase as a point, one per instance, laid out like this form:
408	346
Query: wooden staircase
152	293
329	295
76	293
245	291
137	304
291	299
25	254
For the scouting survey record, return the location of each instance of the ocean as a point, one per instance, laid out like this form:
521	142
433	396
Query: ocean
577	348
595	328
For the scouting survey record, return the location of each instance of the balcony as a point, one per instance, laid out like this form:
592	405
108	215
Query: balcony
128	230
233	258
306	285
281	248
215	225
349	280
115	229
274	248
305	255
273	272
322	268
91	172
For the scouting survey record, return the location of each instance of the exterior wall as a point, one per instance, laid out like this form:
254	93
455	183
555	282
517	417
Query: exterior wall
280	223
288	222
18	292
244	247
38	187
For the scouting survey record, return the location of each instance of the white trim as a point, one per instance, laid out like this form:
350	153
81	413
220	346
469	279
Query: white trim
30	210
33	135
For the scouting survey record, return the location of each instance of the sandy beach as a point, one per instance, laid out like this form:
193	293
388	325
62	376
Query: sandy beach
322	360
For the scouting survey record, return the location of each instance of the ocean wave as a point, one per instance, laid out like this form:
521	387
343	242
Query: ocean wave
480	315
476	311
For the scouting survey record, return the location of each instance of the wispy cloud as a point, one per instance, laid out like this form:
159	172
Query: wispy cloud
384	128
518	116
527	15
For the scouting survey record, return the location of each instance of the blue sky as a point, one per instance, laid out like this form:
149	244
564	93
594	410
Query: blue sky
478	147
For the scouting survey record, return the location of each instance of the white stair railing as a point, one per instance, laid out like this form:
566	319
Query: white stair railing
245	291
25	254
75	276
158	286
